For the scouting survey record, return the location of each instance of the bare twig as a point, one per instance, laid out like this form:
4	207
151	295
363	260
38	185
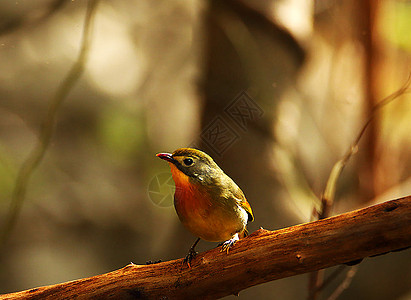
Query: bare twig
327	281
345	284
327	199
329	191
37	154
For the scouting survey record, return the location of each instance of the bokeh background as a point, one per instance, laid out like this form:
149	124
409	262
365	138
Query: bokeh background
275	91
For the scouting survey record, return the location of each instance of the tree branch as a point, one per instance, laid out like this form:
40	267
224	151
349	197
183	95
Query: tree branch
263	256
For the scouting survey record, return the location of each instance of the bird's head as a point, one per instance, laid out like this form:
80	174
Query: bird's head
192	163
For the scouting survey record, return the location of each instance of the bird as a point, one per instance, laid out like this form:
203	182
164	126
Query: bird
207	201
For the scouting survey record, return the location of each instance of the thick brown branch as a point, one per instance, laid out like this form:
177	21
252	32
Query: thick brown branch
261	257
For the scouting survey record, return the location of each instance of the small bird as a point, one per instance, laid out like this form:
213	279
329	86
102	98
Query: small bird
207	201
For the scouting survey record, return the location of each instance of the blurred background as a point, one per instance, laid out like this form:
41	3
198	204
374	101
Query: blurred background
275	91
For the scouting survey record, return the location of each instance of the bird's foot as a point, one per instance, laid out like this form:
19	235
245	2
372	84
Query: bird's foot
229	243
191	254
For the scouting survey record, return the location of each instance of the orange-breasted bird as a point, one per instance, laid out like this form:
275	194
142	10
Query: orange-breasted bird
207	201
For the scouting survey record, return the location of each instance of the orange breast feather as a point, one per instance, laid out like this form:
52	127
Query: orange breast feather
190	201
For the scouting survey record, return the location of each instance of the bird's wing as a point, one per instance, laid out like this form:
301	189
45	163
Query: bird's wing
242	202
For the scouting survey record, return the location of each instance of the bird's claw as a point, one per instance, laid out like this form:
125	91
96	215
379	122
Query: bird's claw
228	244
191	254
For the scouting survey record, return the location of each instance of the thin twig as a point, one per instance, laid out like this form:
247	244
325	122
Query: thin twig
327	199
328	280
329	191
36	155
345	284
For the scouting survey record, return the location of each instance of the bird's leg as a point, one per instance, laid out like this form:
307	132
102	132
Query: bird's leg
229	243
191	253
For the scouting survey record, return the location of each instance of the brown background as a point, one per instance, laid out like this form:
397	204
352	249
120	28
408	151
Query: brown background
167	74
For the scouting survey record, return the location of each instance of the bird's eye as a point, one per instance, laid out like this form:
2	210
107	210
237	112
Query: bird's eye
188	161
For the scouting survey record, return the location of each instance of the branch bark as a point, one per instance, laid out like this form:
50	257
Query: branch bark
263	256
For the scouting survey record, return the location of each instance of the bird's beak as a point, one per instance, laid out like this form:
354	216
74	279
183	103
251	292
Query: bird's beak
166	156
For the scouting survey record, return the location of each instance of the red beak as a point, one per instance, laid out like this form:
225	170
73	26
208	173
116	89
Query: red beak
166	156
